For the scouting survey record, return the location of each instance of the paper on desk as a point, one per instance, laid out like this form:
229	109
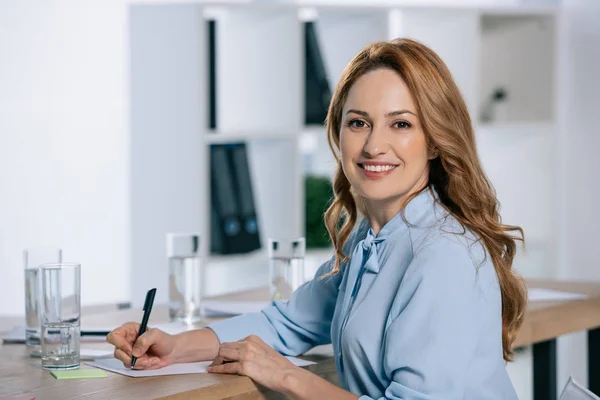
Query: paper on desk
539	294
94	354
114	365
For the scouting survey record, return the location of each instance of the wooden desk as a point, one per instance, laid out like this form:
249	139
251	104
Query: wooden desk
545	321
22	376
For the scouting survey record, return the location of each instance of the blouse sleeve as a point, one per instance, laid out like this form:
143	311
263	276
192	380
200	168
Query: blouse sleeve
433	338
290	327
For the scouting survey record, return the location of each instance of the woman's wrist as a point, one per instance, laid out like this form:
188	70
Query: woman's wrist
301	384
294	382
196	345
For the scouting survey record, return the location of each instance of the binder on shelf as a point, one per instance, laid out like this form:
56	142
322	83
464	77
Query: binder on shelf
216	237
212	73
234	224
228	224
317	93
245	196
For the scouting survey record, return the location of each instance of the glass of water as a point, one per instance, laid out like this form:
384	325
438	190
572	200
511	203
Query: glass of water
32	259
286	266
185	277
60	314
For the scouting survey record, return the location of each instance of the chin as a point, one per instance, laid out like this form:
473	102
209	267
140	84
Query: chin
372	194
379	192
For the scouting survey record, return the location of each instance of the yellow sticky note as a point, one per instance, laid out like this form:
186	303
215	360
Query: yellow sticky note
79	374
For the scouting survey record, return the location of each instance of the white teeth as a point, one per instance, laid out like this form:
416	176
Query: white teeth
378	168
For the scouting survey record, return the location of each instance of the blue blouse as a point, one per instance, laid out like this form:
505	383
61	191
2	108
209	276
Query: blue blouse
415	314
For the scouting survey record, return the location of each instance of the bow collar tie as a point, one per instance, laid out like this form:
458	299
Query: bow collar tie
369	252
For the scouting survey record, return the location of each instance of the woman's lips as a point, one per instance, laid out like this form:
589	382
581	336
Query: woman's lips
376	170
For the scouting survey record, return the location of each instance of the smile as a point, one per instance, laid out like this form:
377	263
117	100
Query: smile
378	167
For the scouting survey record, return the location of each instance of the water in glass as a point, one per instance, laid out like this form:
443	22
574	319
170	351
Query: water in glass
60	345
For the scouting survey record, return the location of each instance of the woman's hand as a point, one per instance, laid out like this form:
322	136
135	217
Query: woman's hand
154	349
256	359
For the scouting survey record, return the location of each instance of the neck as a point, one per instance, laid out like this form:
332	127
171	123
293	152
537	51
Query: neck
380	212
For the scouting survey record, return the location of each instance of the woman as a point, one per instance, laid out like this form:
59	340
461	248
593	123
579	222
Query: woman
419	300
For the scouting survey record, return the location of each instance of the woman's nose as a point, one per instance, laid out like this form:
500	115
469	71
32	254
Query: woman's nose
376	144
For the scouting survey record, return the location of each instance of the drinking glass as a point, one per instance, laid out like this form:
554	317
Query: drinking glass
60	315
286	266
185	277
32	259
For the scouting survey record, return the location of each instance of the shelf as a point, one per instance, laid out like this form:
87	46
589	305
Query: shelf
521	127
373	5
222	137
259	73
520	9
517	59
260	89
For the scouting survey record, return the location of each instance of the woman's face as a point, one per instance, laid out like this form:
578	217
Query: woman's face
383	147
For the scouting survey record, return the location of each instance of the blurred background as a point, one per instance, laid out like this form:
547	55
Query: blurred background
122	120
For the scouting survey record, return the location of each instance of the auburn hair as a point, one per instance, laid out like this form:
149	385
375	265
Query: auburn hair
456	174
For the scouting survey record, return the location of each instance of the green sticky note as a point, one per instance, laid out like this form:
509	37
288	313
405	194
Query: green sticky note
79	374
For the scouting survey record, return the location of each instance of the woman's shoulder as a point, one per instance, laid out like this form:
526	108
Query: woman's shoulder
443	230
457	250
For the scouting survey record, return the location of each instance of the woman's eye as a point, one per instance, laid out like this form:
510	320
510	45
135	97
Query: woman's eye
357	123
403	124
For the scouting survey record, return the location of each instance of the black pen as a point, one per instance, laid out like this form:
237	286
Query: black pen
147	308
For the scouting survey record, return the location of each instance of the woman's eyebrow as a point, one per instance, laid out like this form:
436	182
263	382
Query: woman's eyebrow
359	112
399	112
390	114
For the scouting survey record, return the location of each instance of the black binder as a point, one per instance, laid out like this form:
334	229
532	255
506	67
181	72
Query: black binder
212	73
317	93
234	224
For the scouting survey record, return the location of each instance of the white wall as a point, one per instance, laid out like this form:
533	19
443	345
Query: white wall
63	142
168	157
580	139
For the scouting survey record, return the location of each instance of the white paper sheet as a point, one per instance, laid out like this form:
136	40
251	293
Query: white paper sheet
538	294
116	366
94	354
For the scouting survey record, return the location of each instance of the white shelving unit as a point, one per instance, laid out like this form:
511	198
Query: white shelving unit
260	101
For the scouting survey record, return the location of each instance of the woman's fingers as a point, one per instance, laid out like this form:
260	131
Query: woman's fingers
234	351
230	354
236	367
123	357
148	363
118	338
257	341
144	342
244	367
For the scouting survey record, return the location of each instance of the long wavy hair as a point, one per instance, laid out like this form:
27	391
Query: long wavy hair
456	174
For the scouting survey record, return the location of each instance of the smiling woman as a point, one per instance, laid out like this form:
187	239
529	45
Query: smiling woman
381	136
419	300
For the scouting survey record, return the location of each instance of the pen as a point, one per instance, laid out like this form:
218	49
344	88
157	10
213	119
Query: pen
147	309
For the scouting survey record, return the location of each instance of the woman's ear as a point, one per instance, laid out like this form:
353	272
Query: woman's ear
433	153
